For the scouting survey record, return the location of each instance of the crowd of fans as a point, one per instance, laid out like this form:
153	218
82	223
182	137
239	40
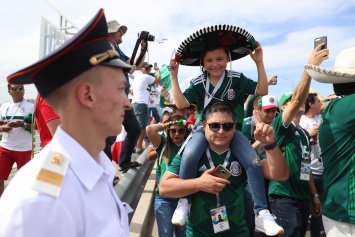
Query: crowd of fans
231	159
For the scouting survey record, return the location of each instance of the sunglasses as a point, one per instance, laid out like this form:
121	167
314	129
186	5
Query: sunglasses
214	127
180	130
120	30
16	88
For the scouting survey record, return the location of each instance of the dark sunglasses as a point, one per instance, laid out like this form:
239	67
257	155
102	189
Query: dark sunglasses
180	130
16	88
214	127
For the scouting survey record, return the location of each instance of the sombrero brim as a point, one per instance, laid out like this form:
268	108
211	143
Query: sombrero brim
324	75
169	104
237	40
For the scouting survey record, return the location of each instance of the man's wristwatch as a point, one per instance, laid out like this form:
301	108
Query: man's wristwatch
316	195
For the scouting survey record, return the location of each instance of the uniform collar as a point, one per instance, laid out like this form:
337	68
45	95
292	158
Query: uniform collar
82	164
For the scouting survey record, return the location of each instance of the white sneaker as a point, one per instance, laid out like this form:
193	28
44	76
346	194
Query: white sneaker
180	213
265	222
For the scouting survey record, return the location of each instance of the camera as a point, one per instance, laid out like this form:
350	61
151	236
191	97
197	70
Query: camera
146	36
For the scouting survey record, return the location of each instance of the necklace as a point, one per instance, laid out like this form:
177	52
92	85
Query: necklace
7	110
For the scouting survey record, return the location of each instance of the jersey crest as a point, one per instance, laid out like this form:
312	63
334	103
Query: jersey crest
230	94
235	168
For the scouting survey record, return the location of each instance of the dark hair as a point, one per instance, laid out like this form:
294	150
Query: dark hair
344	88
219	107
165	115
310	99
169	142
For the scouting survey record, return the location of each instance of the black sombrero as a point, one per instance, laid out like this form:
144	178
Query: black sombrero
237	40
89	47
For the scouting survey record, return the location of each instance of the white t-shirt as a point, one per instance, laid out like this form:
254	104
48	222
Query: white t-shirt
316	159
154	96
140	87
17	139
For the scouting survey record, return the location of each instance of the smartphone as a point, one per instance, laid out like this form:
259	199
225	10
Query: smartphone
155	65
274	82
320	40
222	172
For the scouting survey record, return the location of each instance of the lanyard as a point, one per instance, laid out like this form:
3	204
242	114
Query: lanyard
209	157
7	110
208	97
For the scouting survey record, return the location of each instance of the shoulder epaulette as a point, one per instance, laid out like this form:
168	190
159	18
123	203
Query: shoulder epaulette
50	177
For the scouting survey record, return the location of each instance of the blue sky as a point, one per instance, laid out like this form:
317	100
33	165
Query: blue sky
285	29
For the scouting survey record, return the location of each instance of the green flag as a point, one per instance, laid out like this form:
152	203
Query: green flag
165	77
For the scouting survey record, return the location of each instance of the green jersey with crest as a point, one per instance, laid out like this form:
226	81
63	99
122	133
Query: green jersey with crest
199	222
337	142
161	162
232	90
296	153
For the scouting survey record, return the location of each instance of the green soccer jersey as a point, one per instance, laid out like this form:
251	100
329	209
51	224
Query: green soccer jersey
337	142
161	162
231	91
248	131
199	222
296	152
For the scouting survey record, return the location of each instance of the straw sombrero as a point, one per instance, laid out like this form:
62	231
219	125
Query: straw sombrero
237	40
344	69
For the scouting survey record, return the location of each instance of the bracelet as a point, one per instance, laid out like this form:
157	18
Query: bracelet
316	195
195	186
271	146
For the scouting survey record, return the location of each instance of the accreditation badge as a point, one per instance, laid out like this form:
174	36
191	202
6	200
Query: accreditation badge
305	171
219	219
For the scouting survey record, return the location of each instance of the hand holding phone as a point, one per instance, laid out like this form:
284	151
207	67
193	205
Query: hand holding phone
274	80
320	40
221	172
155	65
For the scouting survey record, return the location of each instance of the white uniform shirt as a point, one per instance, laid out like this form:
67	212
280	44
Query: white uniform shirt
87	204
17	139
140	87
316	160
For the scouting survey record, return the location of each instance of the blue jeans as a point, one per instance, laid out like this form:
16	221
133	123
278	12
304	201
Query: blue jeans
291	214
155	114
249	215
316	222
133	130
241	149
164	210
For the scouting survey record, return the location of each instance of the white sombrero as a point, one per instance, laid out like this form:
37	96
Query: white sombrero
344	69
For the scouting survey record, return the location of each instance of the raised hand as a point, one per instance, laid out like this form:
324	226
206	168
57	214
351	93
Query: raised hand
264	133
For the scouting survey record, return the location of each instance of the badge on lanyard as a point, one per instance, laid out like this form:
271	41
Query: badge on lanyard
305	171
219	219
